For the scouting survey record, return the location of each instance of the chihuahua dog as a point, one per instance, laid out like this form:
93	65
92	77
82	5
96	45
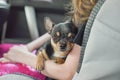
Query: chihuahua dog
60	44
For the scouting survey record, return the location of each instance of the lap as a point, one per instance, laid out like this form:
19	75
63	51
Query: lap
17	68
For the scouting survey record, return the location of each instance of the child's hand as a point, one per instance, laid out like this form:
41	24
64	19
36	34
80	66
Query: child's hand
4	60
20	54
16	53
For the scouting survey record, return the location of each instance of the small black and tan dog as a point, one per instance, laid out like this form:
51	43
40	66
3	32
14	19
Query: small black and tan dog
60	44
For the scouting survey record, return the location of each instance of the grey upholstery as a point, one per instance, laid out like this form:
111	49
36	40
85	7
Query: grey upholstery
102	54
87	31
15	77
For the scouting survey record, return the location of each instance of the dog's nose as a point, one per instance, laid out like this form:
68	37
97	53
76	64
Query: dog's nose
63	46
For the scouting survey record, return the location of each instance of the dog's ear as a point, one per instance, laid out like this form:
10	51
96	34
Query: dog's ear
48	24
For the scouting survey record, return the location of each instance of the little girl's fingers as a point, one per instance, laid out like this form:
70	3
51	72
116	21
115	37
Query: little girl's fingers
4	60
6	57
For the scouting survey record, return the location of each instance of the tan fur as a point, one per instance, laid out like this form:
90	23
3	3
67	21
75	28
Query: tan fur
59	60
40	61
45	55
58	33
69	34
41	57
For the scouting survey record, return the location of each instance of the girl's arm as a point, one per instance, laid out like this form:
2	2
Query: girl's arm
58	71
38	42
63	71
22	53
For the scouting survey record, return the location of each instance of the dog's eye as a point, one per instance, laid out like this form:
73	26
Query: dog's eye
56	37
58	34
69	35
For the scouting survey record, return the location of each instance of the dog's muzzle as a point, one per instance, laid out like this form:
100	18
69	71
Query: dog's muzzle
63	47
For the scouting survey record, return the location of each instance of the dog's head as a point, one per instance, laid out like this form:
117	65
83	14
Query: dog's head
62	34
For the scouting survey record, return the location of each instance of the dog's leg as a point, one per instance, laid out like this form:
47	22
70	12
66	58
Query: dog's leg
40	61
45	55
59	60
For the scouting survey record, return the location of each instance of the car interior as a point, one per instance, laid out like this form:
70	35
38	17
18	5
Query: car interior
25	19
22	21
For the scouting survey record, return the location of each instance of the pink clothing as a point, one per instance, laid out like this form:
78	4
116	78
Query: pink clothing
5	47
7	68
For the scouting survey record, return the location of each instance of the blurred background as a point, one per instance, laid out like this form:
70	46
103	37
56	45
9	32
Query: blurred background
22	21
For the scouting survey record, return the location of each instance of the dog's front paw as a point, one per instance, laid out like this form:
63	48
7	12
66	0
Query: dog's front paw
39	66
59	60
40	62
